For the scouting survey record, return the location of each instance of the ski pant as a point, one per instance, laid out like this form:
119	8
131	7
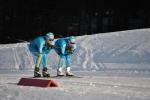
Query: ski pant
64	59
39	58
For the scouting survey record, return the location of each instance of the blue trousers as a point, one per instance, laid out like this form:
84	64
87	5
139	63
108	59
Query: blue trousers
64	59
36	55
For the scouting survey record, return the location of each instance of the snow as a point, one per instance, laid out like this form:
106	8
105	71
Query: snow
114	66
105	86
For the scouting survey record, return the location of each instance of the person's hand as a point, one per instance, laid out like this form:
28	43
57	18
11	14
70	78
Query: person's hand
52	46
70	50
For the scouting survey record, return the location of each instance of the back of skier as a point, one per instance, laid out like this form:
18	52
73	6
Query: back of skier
64	48
40	47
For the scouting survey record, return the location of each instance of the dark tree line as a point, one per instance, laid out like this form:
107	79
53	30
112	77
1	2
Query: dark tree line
26	19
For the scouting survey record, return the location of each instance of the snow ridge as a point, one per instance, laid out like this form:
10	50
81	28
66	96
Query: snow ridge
124	50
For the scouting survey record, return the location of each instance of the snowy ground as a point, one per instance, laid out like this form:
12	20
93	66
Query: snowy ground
114	66
93	86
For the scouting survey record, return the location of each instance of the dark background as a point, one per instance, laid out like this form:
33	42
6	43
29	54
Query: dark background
23	20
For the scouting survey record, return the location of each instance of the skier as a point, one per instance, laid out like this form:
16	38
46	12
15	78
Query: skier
64	47
40	47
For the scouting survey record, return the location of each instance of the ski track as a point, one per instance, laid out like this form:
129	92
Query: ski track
106	87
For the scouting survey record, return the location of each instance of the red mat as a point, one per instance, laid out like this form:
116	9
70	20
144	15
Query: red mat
37	82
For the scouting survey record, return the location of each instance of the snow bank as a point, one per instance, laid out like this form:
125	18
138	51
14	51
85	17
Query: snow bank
117	50
124	50
15	57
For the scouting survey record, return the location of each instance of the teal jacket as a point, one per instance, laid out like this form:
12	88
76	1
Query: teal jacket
62	46
39	45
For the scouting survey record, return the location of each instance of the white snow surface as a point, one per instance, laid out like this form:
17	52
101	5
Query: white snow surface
125	50
114	66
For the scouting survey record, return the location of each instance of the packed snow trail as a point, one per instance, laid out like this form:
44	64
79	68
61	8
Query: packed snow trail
102	85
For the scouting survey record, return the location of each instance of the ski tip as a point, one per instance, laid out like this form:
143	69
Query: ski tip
71	76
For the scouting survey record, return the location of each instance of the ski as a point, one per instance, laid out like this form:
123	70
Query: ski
73	76
56	76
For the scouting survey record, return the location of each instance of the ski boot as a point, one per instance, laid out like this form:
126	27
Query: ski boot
45	73
60	72
36	72
68	73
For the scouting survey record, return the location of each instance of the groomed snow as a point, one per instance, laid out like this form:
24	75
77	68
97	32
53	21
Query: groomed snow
114	66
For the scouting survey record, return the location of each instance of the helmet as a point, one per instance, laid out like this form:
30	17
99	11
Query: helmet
72	39
50	36
72	43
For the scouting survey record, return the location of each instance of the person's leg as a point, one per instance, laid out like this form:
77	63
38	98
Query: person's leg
68	60
61	65
68	64
44	61
44	64
37	65
37	60
36	56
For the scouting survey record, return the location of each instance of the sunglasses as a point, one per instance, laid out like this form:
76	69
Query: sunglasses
51	39
72	42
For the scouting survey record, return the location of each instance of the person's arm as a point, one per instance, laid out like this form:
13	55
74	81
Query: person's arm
71	49
63	48
41	46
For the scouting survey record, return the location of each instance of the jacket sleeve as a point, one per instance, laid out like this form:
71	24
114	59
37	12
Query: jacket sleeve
47	50
63	47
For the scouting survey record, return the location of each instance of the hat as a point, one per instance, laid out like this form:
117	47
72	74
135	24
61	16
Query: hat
72	39
50	36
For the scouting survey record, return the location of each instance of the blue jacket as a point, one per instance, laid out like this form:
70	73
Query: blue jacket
61	46
39	45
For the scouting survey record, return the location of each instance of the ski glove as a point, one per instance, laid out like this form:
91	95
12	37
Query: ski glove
70	49
52	47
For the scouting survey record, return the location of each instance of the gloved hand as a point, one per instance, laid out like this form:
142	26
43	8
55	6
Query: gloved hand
71	52
52	47
70	49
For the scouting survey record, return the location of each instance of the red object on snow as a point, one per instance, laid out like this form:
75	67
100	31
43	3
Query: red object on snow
37	82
